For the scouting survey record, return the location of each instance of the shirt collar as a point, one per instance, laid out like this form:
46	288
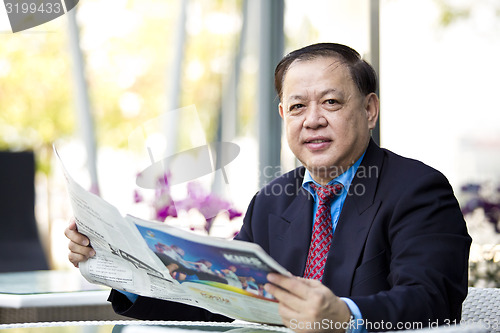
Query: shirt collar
345	178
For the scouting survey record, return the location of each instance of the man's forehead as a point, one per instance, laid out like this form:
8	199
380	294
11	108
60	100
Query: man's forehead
331	62
321	67
297	88
306	94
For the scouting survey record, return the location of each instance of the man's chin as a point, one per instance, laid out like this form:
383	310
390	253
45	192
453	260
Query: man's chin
324	170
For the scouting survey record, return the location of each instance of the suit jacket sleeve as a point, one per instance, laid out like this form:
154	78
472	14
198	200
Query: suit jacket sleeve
146	308
421	275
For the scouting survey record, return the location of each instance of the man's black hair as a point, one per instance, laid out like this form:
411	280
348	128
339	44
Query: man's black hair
362	73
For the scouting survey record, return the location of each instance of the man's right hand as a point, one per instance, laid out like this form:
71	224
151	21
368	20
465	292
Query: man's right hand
79	245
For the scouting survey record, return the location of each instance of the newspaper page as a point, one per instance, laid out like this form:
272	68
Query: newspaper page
156	260
122	259
224	276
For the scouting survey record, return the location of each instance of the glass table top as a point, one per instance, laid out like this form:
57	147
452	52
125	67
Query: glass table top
45	282
138	327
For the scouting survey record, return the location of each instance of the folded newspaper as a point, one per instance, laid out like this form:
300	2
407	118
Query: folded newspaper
153	259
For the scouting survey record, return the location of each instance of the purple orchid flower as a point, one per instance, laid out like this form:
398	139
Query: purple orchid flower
208	204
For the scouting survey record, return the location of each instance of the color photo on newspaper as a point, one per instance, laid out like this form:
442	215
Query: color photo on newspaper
190	261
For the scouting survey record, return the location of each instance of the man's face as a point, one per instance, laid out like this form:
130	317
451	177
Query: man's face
327	119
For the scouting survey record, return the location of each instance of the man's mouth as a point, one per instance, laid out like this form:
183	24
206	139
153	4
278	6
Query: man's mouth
318	141
317	144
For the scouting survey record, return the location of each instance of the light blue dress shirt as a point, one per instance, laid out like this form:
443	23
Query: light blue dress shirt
336	207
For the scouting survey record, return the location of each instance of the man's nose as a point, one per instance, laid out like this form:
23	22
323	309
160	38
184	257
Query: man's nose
315	117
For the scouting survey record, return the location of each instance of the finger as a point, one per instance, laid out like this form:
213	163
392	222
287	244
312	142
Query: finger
294	285
279	293
76	259
85	251
279	280
290	304
292	318
76	237
287	314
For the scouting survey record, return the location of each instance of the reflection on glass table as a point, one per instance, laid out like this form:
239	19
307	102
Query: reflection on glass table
139	327
66	327
47	288
43	296
195	327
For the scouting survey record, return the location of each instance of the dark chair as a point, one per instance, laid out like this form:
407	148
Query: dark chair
20	246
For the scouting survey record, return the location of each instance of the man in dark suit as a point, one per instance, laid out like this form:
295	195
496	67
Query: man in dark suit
397	246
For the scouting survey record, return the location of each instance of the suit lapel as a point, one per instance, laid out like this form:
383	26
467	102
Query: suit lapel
292	230
354	223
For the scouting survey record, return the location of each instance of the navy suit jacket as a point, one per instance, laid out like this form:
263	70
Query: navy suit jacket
400	250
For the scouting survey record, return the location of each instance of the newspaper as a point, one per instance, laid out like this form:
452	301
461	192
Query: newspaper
153	259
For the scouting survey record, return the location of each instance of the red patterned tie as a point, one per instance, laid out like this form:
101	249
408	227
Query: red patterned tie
322	231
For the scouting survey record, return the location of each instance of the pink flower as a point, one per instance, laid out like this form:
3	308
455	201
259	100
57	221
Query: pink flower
208	204
138	197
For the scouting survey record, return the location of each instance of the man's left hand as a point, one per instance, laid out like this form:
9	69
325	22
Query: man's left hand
308	305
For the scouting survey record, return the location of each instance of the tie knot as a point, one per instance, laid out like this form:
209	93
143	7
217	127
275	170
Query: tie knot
327	192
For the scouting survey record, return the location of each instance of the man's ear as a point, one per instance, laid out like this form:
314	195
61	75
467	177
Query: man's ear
280	108
372	107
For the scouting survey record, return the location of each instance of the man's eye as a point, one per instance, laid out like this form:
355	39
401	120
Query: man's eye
331	101
296	107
